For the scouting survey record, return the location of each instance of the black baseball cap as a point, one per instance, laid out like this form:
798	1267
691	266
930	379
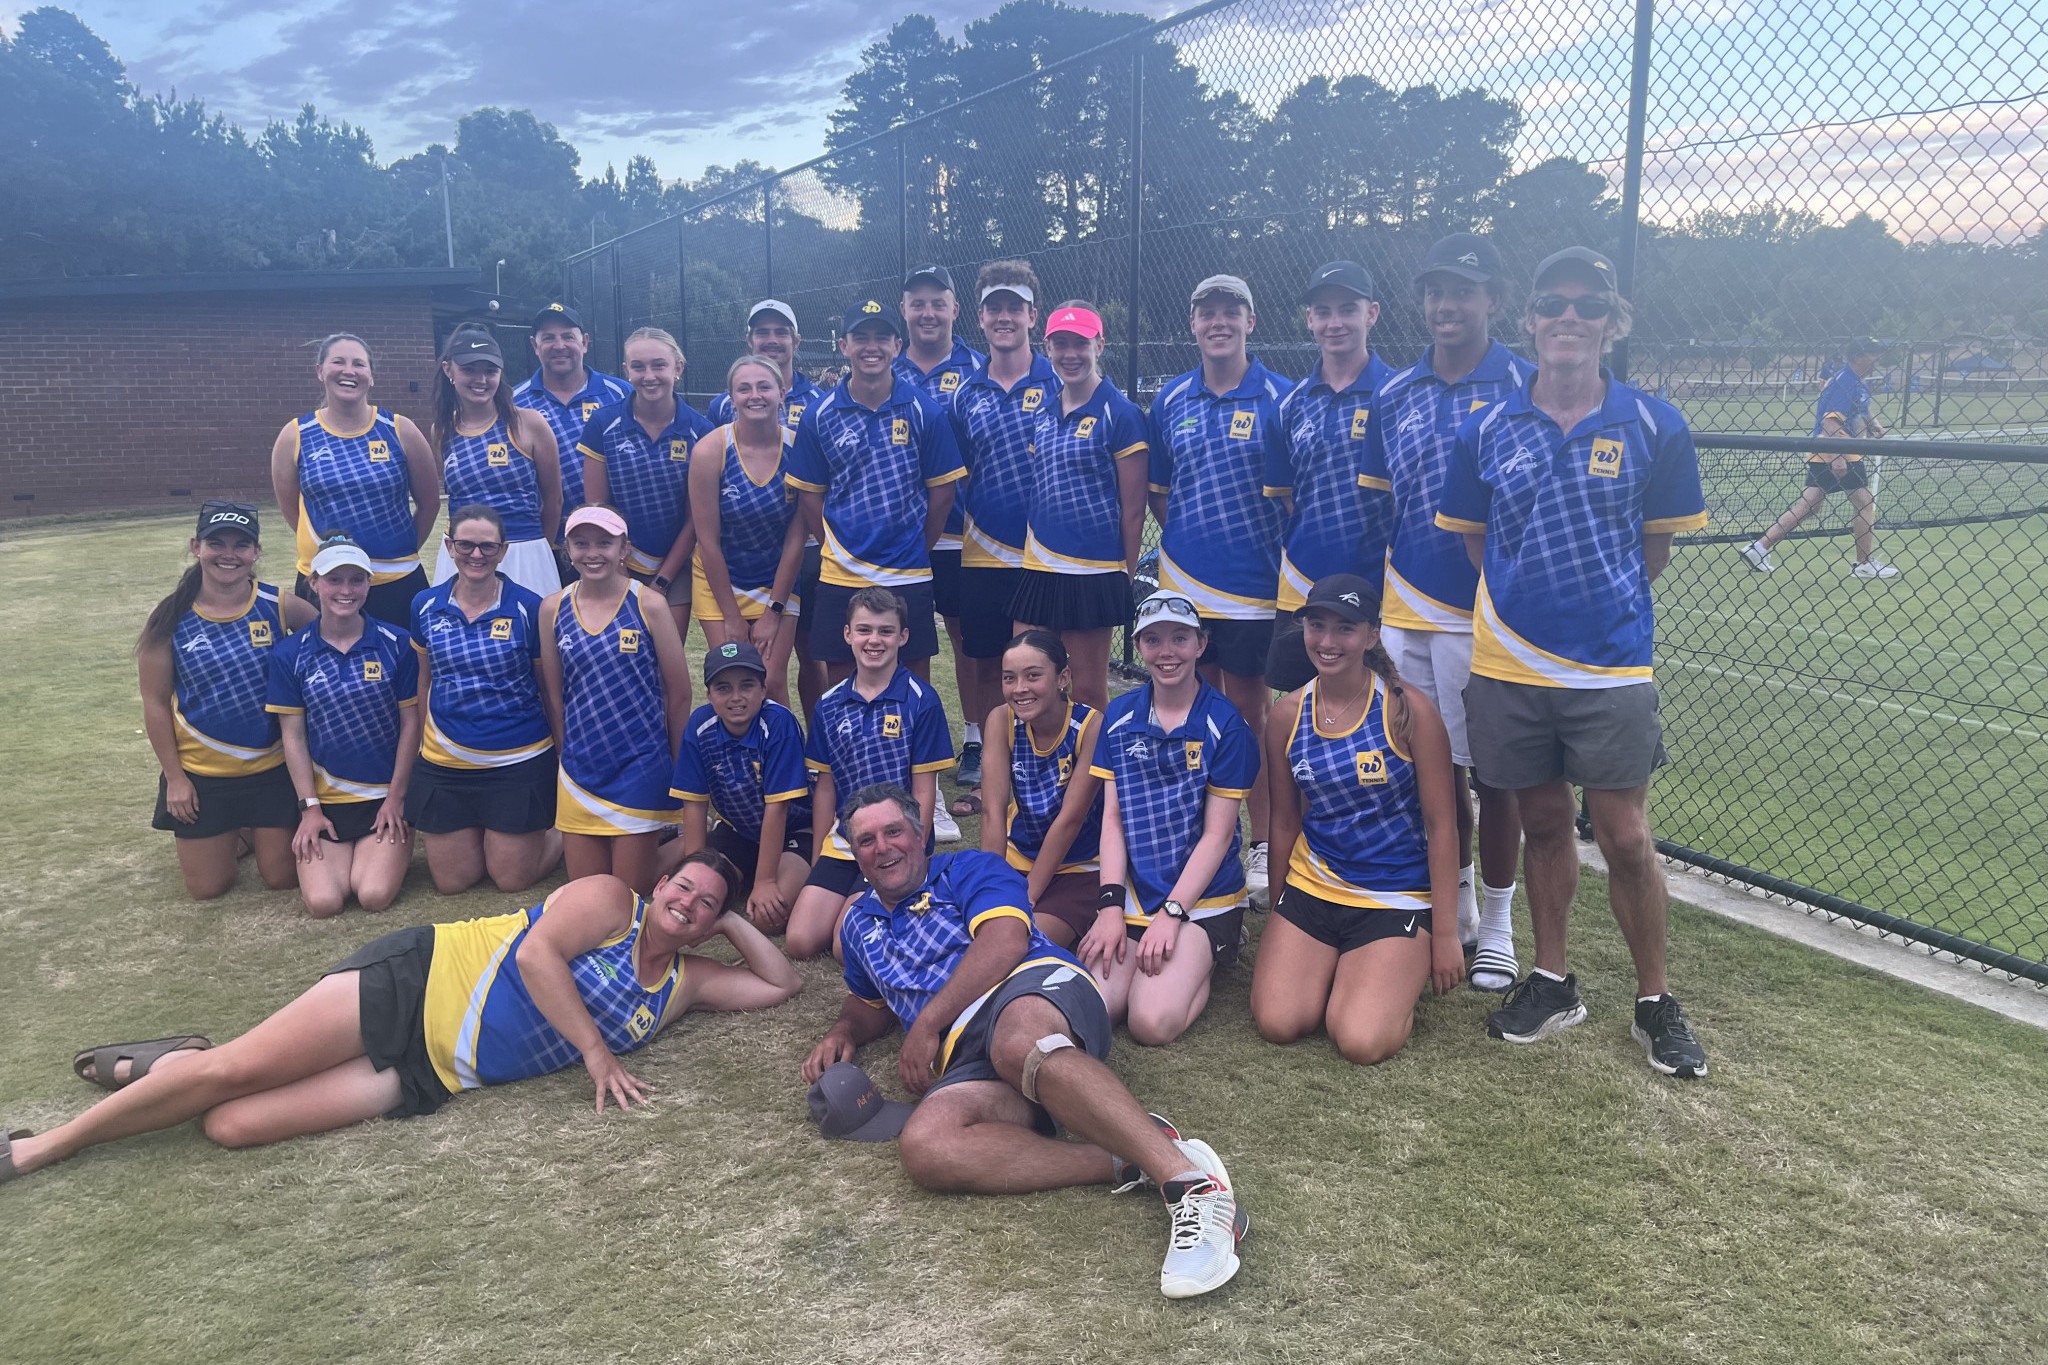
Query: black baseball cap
218	513
466	346
1592	260
1345	596
1467	255
1861	346
733	654
845	1104
1340	275
937	274
867	313
557	313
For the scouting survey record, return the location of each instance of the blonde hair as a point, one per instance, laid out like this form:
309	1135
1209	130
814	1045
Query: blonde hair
763	361
655	334
1619	322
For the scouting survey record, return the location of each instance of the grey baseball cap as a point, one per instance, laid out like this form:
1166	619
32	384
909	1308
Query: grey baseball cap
845	1104
1587	259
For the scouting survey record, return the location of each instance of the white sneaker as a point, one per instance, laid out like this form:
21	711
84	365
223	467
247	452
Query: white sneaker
1873	567
1759	558
1201	1251
1255	879
944	827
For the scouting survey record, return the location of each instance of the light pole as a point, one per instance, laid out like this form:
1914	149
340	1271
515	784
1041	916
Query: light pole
498	277
447	214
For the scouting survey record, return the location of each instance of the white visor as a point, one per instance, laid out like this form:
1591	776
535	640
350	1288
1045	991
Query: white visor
1022	291
333	557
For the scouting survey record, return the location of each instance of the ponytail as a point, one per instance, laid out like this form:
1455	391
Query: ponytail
164	619
1379	661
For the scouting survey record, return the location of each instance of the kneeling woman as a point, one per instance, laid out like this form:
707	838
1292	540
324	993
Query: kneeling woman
1036	771
483	791
592	973
1365	823
345	688
204	660
1178	760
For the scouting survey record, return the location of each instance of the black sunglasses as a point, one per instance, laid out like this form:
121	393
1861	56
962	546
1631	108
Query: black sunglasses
1590	307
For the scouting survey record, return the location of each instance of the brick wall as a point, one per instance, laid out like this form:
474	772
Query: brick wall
117	401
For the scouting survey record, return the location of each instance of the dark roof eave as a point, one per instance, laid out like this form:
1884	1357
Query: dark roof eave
242	281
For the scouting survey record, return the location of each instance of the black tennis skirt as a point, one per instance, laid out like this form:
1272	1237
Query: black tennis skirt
391	995
1073	601
516	799
262	800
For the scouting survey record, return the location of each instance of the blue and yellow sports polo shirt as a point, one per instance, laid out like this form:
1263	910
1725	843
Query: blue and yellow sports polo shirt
350	699
994	428
1221	543
1846	398
861	742
1564	596
1076	518
939	384
648	478
1318	467
567	421
742	775
876	468
483	678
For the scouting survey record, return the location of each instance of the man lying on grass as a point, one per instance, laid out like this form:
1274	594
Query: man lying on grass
1005	1036
591	973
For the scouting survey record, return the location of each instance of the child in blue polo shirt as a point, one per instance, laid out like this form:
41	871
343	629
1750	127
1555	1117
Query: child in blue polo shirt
883	724
1176	760
743	755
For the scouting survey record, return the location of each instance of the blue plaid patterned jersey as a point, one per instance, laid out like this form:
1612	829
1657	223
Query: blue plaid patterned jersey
350	700
357	482
1846	398
1221	543
1430	582
567	421
1038	787
615	755
796	400
648	479
490	468
899	959
741	775
1361	812
483	678
939	384
862	742
1317	466
753	520
1076	518
1163	784
482	1026
1564	599
876	468
220	667
993	430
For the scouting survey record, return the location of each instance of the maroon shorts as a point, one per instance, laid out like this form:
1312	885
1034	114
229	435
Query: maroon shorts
1070	899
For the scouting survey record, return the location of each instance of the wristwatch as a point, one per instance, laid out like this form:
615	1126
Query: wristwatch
779	608
1175	910
661	582
308	802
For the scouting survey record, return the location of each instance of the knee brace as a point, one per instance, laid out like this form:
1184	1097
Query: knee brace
1035	1059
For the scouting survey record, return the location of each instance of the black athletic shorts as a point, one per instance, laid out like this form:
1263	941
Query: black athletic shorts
1225	931
352	820
985	621
840	876
1072	992
1287	663
390	602
1072	601
946	582
745	853
391	996
1345	927
813	563
517	799
264	800
1238	647
828	624
1821	474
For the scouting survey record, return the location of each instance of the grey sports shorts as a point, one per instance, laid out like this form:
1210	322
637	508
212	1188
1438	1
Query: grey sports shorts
1607	738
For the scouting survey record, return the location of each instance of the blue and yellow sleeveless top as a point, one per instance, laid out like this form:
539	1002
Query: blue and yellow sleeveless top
491	468
1038	784
615	756
482	1026
221	668
357	482
1361	812
753	518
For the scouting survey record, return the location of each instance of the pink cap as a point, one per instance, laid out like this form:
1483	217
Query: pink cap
603	518
1080	321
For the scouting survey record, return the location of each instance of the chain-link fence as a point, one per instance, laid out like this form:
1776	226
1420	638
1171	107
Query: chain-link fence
1773	179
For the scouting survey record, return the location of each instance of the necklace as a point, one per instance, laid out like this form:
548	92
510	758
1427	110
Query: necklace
1334	718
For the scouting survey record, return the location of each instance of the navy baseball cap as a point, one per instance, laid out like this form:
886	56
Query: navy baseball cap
1464	254
845	1104
936	274
558	313
733	654
1345	596
869	313
1595	263
1340	275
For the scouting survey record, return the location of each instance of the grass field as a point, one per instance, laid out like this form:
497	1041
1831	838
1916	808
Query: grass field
1863	1178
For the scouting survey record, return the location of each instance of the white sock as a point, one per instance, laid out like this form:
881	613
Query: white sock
973	734
1648	999
1468	906
1547	976
1497	919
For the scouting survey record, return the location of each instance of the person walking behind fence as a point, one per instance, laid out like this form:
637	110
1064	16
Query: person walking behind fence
1430	585
1219	546
352	468
1844	410
498	456
566	392
1568	493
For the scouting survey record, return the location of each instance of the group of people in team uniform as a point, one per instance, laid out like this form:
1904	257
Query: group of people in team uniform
1444	569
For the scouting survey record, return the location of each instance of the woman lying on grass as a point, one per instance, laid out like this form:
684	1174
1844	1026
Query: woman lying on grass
591	973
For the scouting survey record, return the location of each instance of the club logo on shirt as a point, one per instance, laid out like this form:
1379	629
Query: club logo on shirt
629	640
949	381
1241	425
1303	770
497	454
501	628
1085	428
899	431
1372	768
1358	420
892	727
794	414
678	449
1066	768
1606	461
1523	458
380	452
1139	749
1194	755
642	1020
259	634
588	408
1414	421
373	670
920	903
1032	398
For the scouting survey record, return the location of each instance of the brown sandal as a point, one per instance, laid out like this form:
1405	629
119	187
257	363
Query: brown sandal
140	1057
966	803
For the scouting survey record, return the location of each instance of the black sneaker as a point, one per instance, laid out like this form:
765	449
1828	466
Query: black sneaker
1536	1008
1667	1039
967	774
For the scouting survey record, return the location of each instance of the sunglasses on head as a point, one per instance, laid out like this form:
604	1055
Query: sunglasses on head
1590	307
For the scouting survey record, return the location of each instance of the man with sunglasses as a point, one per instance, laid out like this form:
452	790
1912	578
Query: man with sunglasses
1568	493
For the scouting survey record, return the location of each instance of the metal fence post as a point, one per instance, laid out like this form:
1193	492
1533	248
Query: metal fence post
618	313
1632	173
768	239
902	205
682	290
1137	200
